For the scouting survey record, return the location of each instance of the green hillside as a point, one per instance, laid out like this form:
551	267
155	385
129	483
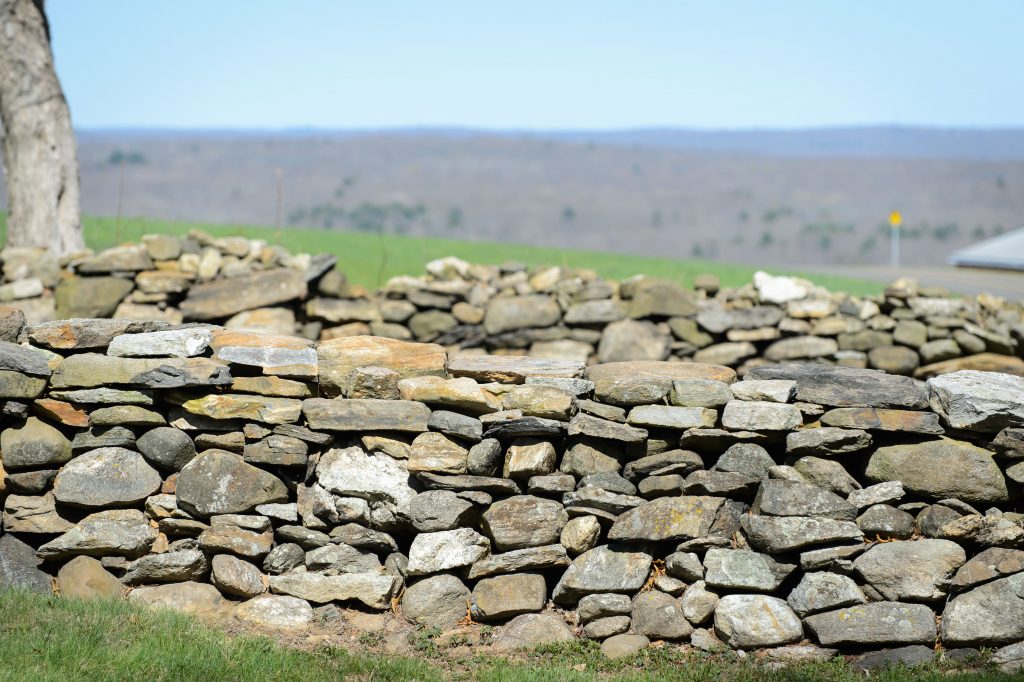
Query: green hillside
370	259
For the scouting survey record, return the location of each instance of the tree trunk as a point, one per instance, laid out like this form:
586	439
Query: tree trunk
39	144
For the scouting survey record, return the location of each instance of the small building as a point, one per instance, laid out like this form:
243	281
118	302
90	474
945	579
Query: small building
1005	252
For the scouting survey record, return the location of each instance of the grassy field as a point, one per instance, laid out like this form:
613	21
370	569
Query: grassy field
370	259
46	638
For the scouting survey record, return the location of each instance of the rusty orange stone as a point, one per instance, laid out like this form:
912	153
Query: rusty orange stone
63	412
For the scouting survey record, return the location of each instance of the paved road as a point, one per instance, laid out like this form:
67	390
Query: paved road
967	281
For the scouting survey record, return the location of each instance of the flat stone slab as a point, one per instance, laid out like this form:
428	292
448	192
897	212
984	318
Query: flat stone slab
106	477
882	419
846	386
667	518
245	406
939	469
874	623
366	414
375	590
176	343
507	369
224	297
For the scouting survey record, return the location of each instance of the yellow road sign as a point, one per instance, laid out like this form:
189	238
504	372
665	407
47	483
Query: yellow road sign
895	219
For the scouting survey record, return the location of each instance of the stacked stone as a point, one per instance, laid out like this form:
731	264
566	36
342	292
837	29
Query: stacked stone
807	509
552	313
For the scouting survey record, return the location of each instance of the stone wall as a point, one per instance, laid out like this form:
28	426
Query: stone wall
557	313
212	469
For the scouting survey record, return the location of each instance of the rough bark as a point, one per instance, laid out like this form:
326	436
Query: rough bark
40	157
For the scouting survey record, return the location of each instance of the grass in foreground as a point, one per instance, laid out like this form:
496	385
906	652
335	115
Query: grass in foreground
48	638
370	259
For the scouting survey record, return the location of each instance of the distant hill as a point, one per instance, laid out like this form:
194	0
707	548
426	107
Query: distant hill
772	197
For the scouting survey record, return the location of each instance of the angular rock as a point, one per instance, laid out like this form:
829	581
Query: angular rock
19	567
375	590
122	532
776	534
784	498
818	592
601	570
754	621
177	343
445	550
875	419
658	615
275	611
169	567
339	358
978	401
669	417
219	482
827	440
667	518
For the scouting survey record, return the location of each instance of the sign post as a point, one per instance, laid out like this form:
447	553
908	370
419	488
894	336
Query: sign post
895	220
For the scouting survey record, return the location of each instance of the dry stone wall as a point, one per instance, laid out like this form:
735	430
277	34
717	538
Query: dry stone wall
555	313
807	508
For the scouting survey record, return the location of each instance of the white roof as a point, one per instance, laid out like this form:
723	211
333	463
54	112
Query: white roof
1005	251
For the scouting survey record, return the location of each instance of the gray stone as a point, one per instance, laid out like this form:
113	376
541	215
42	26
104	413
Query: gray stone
532	630
445	550
595	606
889	491
529	559
784	498
19	567
193	598
283	558
978	401
275	611
659	616
745	458
818	592
881	622
755	621
827	474
628	340
742	569
670	417
699	393
35	445
886	522
775	534
742	415
667	518
376	478
436	510
455	424
176	343
846	386
938	469
121	532
33	514
375	590
237	578
524	521
219	482
169	567
698	603
166	447
827	440
507	596
911	571
602	569
439	601
586	425
991	563
991	614
509	313
107	477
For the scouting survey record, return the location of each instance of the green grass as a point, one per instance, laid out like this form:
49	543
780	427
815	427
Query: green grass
370	259
46	638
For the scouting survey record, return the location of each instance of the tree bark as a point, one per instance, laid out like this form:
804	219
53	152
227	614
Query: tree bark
40	156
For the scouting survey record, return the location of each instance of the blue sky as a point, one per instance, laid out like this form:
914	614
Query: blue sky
526	64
